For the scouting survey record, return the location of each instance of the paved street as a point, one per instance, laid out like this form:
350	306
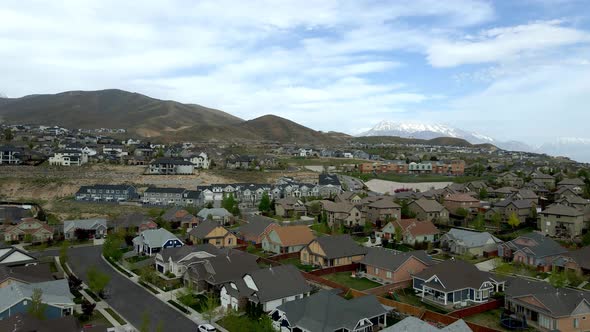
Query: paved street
129	299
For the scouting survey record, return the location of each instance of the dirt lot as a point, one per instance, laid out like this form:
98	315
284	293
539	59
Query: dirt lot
52	186
383	186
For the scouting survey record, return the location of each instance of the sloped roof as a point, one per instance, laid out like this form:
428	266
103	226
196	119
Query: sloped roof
203	229
471	239
429	205
157	237
325	311
460	197
28	274
224	267
278	282
87	224
412	323
215	212
385	203
417	227
256	225
571	182
562	210
55	291
454	274
10	251
294	235
538	244
24	322
181	252
340	246
393	260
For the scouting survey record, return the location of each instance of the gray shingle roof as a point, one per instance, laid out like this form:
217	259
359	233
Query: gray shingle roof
256	225
203	229
55	291
340	246
471	239
411	323
27	274
542	247
455	274
392	260
87	224
562	210
325	311
429	205
181	252
278	282
224	268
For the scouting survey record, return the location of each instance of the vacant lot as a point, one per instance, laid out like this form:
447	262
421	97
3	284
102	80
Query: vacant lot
344	278
383	186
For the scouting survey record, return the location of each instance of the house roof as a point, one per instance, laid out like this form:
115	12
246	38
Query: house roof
294	235
544	176
55	291
557	302
256	225
571	182
179	253
341	207
328	179
581	257
87	224
411	323
171	161
385	203
453	275
224	267
417	228
215	212
27	274
527	194
278	282
203	229
471	239
538	244
562	210
325	311
393	260
10	255
162	190
156	237
340	246
429	205
460	197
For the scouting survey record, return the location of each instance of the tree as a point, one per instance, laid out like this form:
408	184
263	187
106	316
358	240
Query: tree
533	213
88	308
461	212
398	234
324	217
74	282
97	281
497	220
479	222
148	275
513	220
63	253
81	234
37	307
145	322
112	246
367	228
264	205
483	193
315	208
210	308
8	135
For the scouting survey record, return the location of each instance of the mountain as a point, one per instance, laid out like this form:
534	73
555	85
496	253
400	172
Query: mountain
137	113
148	117
428	131
576	148
448	141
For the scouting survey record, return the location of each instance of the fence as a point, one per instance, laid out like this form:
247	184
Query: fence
336	269
381	290
470	311
319	280
284	256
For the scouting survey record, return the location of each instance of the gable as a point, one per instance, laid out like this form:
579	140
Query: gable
217	232
582	308
315	248
16	257
533	300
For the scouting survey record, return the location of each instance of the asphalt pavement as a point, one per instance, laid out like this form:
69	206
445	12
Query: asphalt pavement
129	299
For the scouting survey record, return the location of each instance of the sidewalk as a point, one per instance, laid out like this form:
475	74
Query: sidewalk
163	296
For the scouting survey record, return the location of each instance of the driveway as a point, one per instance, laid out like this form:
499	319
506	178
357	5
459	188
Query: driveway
129	299
486	266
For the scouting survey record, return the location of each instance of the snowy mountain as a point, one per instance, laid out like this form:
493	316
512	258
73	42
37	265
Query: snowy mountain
574	147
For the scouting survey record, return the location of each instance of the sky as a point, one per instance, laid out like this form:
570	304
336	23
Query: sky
512	70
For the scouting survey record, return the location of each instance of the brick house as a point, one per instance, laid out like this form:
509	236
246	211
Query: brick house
456	201
391	267
412	231
533	249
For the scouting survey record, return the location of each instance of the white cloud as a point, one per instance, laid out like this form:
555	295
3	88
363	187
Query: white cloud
503	44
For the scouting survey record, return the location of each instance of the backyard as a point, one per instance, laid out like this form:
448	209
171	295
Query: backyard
298	264
407	296
345	278
490	319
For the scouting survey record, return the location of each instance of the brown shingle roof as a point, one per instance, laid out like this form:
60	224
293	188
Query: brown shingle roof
416	227
294	235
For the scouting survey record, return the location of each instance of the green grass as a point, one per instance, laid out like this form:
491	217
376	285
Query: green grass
138	258
344	278
489	319
150	288
196	301
321	228
116	316
119	268
178	306
259	252
520	269
98	319
408	296
92	295
297	263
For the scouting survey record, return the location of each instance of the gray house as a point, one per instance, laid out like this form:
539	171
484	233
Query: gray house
171	166
462	242
107	193
96	227
163	196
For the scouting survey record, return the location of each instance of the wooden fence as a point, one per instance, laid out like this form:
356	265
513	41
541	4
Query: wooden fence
476	309
336	269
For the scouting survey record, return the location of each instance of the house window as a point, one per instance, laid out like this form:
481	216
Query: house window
388	274
576	323
376	271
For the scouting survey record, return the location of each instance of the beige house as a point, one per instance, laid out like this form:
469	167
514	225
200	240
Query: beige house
391	267
290	207
286	239
561	221
331	251
210	232
342	213
383	210
37	230
429	210
460	201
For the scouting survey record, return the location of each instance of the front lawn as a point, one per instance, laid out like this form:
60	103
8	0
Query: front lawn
138	258
197	302
344	278
243	323
298	264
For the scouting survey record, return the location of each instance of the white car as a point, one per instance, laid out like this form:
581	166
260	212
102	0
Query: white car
206	328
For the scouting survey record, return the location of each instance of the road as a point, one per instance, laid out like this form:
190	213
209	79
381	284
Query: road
129	299
353	184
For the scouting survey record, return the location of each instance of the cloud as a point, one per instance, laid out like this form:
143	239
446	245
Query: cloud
504	44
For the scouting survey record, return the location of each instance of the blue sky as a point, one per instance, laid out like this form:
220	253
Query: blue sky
508	69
